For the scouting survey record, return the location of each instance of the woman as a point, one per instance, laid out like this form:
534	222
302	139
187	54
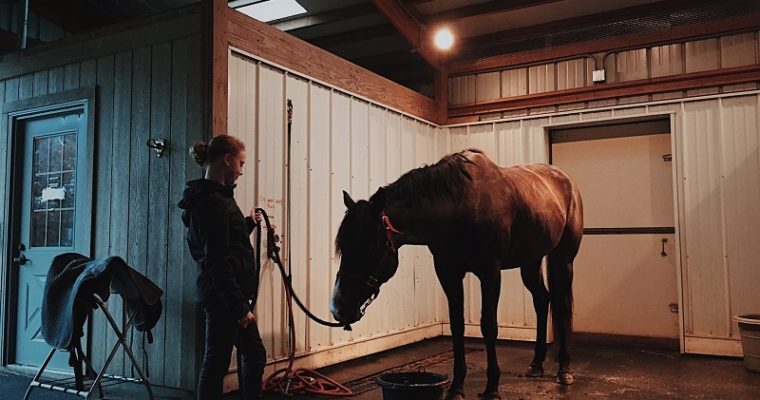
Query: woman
219	239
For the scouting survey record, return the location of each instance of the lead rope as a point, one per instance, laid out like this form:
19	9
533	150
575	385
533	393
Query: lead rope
286	380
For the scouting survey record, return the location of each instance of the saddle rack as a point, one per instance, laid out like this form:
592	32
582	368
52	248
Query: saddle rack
90	379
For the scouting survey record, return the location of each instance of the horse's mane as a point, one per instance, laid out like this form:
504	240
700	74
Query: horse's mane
445	179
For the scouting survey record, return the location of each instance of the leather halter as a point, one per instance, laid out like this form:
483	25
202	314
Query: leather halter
372	281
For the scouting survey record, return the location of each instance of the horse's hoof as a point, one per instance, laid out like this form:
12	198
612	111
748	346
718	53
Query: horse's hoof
490	396
564	377
454	395
534	372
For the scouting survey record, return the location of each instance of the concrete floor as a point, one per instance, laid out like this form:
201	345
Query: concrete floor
601	372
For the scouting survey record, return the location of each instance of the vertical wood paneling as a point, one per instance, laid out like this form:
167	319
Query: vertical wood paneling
137	236
738	50
120	152
740	155
703	208
158	197
702	55
541	78
667	60
104	109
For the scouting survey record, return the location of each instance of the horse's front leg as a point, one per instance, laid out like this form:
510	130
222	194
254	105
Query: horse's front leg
455	295
490	286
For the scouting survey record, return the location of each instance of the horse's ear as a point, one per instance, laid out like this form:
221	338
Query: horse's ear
378	199
348	201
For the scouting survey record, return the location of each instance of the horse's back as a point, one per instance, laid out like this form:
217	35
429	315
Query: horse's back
538	204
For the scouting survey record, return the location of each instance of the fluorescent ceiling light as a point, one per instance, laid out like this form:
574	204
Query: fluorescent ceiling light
270	10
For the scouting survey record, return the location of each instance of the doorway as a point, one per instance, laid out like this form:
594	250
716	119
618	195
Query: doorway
51	209
626	271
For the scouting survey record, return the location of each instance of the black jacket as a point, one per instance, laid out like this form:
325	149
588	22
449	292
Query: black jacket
219	239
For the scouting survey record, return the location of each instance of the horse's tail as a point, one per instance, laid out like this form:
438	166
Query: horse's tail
560	269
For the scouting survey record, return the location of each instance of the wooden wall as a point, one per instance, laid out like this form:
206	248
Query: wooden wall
148	80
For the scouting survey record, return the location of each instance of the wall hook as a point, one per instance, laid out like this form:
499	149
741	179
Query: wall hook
159	145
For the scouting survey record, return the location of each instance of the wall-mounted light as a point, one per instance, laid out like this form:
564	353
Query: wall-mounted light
159	145
443	39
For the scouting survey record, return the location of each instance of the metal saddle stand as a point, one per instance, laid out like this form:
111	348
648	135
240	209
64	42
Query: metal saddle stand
75	385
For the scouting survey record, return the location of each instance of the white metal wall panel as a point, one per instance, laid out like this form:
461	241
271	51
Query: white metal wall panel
320	246
514	82
667	60
268	175
572	74
631	65
339	142
702	55
738	50
740	134
703	226
541	78
340	175
488	86
296	250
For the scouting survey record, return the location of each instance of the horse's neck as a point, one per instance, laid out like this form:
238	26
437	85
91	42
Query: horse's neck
413	222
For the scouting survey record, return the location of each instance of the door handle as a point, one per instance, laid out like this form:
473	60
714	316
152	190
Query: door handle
21	259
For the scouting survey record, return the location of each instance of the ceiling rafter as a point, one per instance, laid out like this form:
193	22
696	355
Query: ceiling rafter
482	9
341	14
412	29
496	39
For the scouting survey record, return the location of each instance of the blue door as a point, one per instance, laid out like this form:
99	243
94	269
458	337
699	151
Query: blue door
51	206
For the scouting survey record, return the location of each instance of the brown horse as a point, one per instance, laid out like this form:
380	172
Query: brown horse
478	217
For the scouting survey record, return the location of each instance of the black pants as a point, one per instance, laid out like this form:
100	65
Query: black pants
222	332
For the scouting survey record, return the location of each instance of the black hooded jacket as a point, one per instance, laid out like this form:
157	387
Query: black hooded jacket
219	239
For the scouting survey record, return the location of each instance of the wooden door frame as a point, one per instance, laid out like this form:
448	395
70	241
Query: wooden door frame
14	113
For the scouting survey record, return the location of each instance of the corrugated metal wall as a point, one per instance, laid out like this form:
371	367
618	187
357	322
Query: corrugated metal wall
651	62
152	90
338	142
716	144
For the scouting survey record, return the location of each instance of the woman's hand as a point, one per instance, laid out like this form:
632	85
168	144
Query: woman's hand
256	215
247	320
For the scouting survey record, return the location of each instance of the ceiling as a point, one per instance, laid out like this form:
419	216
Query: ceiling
357	31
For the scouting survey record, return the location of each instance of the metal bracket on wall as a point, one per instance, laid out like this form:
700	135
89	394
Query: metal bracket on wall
159	145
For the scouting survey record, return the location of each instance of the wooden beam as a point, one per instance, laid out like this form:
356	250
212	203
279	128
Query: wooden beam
307	21
217	13
481	9
441	95
695	80
410	28
512	35
679	33
271	44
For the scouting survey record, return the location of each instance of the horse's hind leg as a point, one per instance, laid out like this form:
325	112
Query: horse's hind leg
534	282
560	274
490	286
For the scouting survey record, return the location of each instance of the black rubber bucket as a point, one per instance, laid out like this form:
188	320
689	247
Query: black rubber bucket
412	385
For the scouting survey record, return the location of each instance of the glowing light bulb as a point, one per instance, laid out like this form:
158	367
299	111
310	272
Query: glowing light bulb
443	39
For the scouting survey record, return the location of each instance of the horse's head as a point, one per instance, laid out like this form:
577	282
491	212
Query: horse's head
368	257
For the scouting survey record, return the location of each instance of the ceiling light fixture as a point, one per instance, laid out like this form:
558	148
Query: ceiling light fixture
443	39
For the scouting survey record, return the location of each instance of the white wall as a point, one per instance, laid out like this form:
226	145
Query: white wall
339	142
